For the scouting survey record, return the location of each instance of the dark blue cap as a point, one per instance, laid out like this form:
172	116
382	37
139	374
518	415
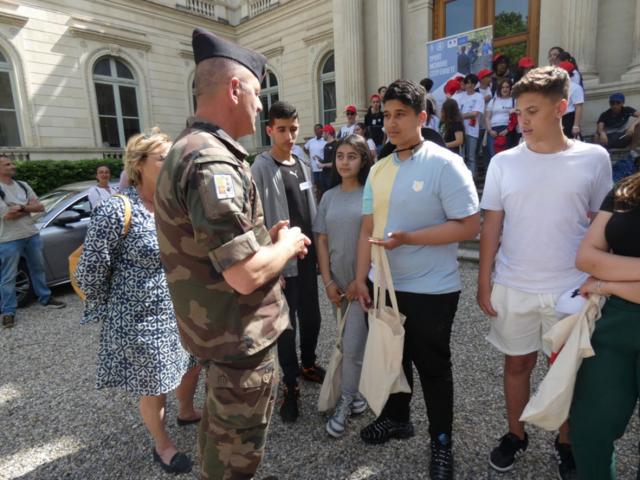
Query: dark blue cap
208	45
617	97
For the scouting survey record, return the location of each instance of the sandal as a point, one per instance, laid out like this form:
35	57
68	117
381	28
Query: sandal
180	463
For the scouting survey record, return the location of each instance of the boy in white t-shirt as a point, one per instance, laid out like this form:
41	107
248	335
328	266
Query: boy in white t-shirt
537	199
471	106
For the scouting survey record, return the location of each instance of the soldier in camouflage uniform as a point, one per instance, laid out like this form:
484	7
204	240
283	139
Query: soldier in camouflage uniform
221	262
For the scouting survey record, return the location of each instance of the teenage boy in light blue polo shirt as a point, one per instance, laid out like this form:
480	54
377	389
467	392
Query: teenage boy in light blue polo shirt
418	203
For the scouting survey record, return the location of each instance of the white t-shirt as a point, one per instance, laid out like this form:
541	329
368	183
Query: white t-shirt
22	227
315	147
576	97
471	103
98	194
346	130
546	199
576	77
499	108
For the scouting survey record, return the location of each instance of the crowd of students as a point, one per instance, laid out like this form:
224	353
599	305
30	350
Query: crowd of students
417	201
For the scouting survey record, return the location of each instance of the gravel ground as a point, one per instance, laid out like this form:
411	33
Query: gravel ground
55	425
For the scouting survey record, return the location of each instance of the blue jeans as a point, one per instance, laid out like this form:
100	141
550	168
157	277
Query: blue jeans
10	253
490	140
470	150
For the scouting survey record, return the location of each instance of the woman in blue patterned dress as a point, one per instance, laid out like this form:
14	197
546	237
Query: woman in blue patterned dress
126	289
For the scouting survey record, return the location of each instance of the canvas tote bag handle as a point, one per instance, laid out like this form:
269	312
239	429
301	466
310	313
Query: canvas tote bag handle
382	280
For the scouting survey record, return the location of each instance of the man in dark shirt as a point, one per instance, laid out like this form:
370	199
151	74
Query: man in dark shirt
285	188
617	125
374	120
329	135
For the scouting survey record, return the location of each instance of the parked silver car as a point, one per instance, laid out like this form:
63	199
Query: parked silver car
63	226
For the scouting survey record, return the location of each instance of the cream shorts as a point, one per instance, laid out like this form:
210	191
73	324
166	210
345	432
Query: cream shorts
523	318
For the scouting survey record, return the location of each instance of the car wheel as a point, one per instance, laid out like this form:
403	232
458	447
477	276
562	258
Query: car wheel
24	291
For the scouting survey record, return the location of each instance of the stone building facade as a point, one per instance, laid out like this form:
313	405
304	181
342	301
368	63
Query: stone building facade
77	77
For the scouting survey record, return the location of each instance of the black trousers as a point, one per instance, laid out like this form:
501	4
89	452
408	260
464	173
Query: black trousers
426	345
301	293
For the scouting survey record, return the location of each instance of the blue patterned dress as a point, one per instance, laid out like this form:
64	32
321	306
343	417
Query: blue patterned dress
126	289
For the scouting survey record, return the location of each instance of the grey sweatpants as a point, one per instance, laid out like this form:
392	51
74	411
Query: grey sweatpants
354	339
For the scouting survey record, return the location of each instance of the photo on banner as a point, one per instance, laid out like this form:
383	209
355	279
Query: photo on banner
460	54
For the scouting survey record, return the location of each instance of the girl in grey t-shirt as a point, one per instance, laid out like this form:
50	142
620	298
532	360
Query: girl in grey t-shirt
337	227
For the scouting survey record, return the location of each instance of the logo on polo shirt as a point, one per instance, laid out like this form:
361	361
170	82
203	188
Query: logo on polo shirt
417	185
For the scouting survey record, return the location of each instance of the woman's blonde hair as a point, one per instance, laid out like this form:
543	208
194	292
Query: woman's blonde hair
139	147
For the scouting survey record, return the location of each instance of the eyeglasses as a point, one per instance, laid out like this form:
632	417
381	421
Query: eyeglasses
351	113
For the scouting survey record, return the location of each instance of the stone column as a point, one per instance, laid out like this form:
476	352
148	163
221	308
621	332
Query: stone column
581	28
633	73
349	55
389	41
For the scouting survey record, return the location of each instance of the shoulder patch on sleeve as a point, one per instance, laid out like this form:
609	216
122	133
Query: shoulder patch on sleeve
224	186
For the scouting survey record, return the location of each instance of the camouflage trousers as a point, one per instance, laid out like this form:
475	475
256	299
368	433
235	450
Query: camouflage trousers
236	414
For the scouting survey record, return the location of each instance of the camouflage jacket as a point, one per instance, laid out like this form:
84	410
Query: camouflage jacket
208	217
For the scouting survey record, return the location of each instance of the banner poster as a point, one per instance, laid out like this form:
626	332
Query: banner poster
460	54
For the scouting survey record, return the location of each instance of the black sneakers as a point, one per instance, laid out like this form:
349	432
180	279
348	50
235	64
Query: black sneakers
504	455
55	304
8	320
315	373
289	409
382	430
566	462
441	467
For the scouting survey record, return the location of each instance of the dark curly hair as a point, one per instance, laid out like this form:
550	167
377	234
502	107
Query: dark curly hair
359	144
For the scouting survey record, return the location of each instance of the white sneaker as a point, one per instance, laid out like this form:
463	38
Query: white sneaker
338	421
358	404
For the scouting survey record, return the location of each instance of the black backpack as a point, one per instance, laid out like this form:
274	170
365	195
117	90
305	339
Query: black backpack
24	189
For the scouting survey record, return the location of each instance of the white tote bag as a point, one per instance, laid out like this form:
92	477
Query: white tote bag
570	342
382	372
332	384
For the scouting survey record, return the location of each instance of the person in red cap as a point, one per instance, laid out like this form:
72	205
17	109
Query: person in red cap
573	115
485	77
524	65
501	71
352	115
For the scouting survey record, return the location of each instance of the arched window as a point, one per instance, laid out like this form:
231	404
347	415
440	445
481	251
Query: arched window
9	130
117	96
328	91
268	96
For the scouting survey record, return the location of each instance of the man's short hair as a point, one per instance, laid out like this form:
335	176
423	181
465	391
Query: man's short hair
212	73
281	110
549	81
317	125
471	78
408	93
427	83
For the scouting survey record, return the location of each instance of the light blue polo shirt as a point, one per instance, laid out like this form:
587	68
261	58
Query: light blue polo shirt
431	187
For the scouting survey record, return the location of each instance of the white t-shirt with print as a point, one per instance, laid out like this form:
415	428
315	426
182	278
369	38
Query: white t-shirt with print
576	97
22	227
499	108
346	130
315	147
546	199
471	103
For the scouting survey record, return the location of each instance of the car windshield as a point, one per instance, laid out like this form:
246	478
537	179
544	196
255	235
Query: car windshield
51	200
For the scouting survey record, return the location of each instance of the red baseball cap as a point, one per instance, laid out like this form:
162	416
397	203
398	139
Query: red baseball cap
329	129
351	109
498	56
484	73
526	62
451	87
375	95
568	66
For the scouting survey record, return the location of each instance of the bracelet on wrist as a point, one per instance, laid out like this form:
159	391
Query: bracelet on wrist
327	285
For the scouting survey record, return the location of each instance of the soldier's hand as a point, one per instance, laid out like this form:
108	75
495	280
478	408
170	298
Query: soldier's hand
273	232
296	239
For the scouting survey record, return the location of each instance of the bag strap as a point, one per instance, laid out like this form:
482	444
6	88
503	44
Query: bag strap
383	281
342	321
127	213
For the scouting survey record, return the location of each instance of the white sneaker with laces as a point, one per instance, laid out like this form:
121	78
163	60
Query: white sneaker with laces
337	423
358	404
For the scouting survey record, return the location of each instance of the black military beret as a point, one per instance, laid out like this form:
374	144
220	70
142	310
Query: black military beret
208	45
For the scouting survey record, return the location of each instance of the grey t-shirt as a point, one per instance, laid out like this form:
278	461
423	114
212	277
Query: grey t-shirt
339	217
22	227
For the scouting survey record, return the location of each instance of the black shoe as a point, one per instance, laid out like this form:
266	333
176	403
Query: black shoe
184	423
180	463
382	430
315	373
8	321
289	409
441	467
504	455
566	462
56	304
